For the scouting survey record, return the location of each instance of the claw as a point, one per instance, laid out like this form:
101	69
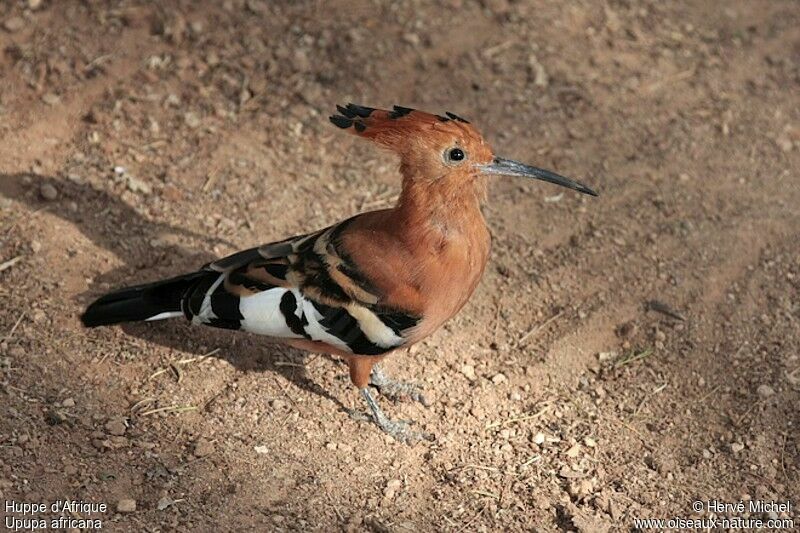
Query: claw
394	389
399	429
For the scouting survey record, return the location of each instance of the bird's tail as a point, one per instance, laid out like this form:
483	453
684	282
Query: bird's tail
152	301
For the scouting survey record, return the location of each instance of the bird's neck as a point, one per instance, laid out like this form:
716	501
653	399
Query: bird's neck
443	208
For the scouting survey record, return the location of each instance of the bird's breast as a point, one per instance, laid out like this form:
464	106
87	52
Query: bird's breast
450	275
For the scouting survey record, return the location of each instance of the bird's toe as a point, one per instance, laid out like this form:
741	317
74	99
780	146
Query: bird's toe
397	390
401	430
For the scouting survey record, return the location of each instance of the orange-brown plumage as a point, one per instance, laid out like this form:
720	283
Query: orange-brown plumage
369	285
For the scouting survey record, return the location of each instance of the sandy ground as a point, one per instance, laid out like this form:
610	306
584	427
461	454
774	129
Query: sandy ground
623	357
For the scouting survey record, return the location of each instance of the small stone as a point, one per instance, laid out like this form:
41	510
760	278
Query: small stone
580	488
51	99
412	39
261	450
706	453
589	442
574	451
36	246
118	442
736	447
392	486
164	503
68	402
16	351
48	192
14	24
606	356
256	6
203	447
116	426
469	372
33	5
785	144
300	60
330	446
540	77
538	438
191	119
499	378
765	391
126	505
137	185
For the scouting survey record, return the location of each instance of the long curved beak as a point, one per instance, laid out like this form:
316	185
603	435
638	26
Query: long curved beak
507	167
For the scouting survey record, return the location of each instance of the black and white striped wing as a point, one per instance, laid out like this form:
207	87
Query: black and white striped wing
301	288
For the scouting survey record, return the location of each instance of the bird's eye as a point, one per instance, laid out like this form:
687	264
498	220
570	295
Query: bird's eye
455	155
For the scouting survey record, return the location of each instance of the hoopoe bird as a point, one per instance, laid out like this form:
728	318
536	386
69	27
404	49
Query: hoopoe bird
369	285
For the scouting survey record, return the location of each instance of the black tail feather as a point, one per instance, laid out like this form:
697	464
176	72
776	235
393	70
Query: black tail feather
142	301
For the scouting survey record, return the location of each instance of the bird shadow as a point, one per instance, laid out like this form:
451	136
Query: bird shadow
111	224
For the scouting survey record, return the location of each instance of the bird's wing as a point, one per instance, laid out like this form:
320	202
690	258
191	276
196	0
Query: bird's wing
307	287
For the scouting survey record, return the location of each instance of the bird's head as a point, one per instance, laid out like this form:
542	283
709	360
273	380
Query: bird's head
437	148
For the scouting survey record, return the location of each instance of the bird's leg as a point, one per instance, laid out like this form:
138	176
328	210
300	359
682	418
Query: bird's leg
399	429
395	389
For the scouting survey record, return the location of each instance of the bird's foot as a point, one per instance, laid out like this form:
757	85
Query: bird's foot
399	429
395	389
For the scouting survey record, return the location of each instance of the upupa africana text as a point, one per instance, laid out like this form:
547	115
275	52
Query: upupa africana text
365	287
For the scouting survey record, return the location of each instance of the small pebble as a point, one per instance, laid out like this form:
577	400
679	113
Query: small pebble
164	503
126	505
606	356
51	99
538	438
14	24
499	378
785	144
116	426
68	402
137	185
300	60
736	447
48	192
392	486
574	451
469	372
765	391
191	119
203	447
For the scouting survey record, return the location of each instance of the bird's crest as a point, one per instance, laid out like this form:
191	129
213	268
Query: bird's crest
386	127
